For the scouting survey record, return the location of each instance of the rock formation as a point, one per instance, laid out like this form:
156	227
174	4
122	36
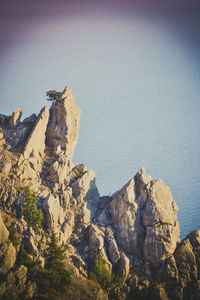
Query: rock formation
135	231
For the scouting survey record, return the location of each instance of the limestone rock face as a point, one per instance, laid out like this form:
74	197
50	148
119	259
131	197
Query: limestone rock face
186	263
30	162
35	144
29	241
160	219
63	124
58	217
123	266
123	210
96	243
59	170
84	189
143	216
112	247
3	232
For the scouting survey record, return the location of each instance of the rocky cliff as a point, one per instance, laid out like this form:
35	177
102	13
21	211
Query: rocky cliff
134	232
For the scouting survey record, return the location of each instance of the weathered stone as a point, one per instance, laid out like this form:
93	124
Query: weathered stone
7	257
35	143
63	124
125	216
3	232
57	218
123	266
142	180
96	244
59	170
160	207
29	241
31	119
16	282
170	272
2	141
160	219
14	119
186	263
113	251
5	164
84	189
160	243
20	274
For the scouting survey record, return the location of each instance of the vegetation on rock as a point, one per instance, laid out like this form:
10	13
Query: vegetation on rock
53	279
32	216
53	95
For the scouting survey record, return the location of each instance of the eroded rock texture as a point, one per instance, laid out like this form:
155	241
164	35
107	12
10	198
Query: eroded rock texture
135	230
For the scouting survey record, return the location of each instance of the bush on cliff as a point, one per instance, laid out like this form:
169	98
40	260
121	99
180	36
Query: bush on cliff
54	278
32	216
51	280
53	95
101	274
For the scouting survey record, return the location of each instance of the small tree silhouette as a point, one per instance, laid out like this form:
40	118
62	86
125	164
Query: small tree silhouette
53	95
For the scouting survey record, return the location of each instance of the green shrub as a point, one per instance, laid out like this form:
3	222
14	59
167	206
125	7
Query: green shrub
101	274
13	234
32	216
51	280
54	260
53	95
24	259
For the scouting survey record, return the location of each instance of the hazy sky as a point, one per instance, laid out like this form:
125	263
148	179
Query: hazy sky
28	24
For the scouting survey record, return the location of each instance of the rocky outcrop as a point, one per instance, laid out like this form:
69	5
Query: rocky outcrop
135	230
63	126
160	219
143	216
35	144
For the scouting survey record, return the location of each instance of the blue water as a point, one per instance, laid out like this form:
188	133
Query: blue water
137	84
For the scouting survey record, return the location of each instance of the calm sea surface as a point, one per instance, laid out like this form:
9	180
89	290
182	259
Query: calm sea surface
137	84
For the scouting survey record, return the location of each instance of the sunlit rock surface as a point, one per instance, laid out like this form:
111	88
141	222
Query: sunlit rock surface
135	230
